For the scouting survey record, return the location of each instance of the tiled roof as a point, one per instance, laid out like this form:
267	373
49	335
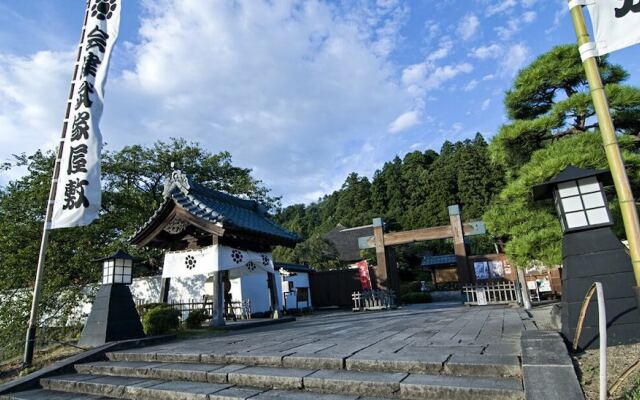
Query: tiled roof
346	241
293	267
218	207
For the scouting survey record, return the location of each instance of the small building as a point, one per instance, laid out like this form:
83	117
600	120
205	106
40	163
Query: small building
346	242
208	233
296	286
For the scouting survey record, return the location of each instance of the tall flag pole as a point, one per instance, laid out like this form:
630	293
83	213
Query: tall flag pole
615	26
75	194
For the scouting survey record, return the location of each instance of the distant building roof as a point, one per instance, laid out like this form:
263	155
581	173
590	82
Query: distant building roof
215	207
346	241
293	267
431	261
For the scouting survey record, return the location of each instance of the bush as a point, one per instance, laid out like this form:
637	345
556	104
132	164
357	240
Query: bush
144	308
196	318
416	297
160	319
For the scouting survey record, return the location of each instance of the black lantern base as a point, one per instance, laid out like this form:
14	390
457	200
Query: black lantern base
598	256
113	317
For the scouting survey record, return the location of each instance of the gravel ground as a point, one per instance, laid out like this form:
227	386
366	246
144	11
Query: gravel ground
619	358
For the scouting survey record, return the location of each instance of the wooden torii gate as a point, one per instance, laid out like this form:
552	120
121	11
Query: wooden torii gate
387	271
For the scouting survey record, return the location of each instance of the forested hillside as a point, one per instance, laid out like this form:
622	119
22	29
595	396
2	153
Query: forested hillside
410	192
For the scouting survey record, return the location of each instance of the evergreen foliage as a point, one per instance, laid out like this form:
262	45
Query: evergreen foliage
132	189
409	193
553	125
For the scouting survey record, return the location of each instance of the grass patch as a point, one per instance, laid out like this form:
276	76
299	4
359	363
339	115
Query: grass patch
12	368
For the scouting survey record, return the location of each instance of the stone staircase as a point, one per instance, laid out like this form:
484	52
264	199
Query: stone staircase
144	374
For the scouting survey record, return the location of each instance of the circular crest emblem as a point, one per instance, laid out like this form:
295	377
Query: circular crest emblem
103	9
251	266
190	262
265	260
236	256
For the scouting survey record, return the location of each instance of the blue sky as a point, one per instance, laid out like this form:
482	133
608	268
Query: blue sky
302	92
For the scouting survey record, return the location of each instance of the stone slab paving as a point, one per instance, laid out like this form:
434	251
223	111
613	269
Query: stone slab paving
457	338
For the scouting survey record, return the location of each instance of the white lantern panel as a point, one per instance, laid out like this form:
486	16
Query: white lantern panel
576	219
117	279
108	279
566	189
593	200
127	278
589	185
598	216
104	279
111	263
119	262
119	270
572	204
128	263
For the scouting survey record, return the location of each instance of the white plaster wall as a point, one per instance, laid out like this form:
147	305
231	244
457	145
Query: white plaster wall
301	279
181	290
255	288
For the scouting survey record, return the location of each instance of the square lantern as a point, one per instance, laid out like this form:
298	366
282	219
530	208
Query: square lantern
579	198
117	268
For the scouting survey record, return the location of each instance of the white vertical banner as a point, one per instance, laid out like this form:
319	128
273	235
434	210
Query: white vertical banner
78	193
616	24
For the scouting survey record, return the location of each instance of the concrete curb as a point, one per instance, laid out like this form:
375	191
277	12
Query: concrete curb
96	354
547	369
256	324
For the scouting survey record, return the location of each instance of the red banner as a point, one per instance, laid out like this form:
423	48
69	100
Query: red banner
363	273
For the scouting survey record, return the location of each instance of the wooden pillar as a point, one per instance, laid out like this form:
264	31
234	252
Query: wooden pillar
459	247
386	271
165	283
217	306
217	313
273	295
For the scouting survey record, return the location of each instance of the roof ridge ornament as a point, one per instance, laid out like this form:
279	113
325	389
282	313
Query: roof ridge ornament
179	180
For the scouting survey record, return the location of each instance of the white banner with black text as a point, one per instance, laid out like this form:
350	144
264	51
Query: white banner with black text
616	24
78	194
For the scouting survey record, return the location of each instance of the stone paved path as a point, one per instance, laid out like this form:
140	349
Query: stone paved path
429	351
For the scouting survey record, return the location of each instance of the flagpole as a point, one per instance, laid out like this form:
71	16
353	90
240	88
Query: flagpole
611	148
37	290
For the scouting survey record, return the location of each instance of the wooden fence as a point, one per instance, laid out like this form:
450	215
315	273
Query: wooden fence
490	293
373	300
334	288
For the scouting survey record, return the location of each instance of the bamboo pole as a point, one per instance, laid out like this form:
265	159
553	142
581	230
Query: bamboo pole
611	148
37	289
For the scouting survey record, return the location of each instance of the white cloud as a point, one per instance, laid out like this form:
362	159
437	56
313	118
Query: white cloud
405	121
514	25
33	93
501	6
485	105
470	86
515	58
485	52
290	89
468	26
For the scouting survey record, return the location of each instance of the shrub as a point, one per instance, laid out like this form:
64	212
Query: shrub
144	308
196	318
160	319
416	297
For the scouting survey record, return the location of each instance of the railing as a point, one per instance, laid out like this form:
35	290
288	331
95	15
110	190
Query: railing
490	293
233	310
373	300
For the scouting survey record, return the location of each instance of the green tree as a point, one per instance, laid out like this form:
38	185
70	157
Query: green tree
550	100
353	207
316	251
552	125
132	188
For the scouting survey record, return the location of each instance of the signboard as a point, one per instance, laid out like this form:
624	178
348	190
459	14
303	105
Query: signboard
363	274
482	269
496	268
481	297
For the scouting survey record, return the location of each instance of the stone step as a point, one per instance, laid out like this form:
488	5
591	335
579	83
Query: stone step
42	394
381	384
427	362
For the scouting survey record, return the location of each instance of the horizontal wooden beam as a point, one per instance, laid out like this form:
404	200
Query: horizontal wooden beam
419	235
